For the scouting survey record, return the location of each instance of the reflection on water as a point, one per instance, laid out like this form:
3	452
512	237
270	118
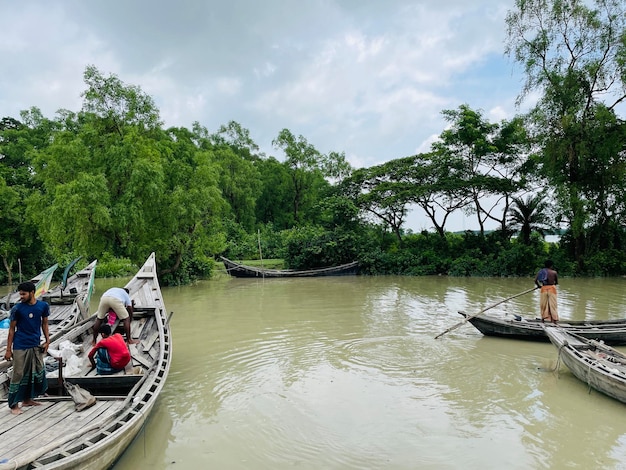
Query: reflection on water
345	373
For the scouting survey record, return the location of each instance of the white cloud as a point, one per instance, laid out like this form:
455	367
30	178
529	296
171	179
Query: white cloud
366	78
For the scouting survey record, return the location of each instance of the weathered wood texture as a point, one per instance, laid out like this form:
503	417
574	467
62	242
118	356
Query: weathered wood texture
596	364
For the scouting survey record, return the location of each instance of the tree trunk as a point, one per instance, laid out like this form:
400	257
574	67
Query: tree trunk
7	267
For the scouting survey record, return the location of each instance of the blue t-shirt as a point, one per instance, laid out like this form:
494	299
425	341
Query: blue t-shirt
28	329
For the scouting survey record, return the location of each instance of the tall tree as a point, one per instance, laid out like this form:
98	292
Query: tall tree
437	188
113	181
19	235
274	204
304	164
117	103
574	55
382	191
235	155
483	157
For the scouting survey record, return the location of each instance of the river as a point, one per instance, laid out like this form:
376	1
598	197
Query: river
345	373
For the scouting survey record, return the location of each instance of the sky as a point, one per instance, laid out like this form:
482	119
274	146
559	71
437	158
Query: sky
368	78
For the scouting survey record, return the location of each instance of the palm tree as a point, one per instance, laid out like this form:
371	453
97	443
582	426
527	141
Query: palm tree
526	216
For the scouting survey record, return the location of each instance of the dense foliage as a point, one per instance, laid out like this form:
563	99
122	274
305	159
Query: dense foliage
109	181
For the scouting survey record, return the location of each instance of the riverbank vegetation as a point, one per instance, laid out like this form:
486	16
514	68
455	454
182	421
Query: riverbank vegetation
110	181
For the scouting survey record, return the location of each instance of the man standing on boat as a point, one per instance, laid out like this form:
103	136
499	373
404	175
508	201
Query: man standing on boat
547	279
29	318
118	300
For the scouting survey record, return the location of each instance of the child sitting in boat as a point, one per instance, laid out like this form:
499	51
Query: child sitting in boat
110	354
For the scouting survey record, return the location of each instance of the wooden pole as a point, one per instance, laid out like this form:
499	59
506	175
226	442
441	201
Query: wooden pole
260	252
454	327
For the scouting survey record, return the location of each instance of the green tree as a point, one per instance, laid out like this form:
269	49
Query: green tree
529	215
307	169
381	192
574	55
438	189
484	159
274	203
113	181
19	238
118	104
239	180
10	218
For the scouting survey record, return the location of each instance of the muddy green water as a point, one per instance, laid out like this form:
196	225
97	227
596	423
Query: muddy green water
345	373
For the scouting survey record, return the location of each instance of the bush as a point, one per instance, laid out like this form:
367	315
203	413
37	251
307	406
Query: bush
115	267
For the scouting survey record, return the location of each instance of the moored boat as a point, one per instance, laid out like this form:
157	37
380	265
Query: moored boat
95	437
242	270
612	332
42	283
69	302
596	364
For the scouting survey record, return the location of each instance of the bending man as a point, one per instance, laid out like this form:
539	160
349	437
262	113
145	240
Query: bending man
118	300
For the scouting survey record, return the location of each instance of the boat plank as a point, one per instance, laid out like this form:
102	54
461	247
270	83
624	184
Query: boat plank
53	420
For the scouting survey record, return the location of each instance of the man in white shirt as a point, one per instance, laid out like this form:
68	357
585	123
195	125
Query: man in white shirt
118	300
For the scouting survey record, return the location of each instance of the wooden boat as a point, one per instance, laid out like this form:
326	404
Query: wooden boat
69	303
594	363
612	332
241	270
55	435
42	283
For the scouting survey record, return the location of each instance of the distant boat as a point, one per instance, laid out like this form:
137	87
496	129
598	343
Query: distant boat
612	332
599	366
241	270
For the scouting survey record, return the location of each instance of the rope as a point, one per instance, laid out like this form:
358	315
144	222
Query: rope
558	360
558	363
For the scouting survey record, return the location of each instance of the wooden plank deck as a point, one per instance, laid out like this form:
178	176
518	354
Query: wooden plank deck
53	420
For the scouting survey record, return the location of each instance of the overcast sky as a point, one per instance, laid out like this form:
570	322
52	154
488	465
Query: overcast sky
365	77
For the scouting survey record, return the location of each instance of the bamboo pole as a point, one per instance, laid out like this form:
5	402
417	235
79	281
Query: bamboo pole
454	327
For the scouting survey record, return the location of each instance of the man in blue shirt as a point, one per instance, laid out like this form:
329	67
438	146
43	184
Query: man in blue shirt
29	318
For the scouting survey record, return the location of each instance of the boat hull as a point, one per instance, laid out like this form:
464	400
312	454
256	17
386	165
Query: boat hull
599	366
241	270
612	332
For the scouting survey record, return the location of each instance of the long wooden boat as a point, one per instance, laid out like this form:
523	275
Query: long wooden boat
241	270
42	283
69	303
592	362
612	332
55	435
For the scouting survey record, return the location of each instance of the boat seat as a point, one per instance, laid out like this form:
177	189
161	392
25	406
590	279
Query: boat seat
114	384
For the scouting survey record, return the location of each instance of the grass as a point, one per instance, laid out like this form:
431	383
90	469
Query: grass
266	263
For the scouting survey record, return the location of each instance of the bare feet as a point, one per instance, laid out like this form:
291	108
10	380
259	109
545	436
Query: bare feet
16	410
133	341
31	403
